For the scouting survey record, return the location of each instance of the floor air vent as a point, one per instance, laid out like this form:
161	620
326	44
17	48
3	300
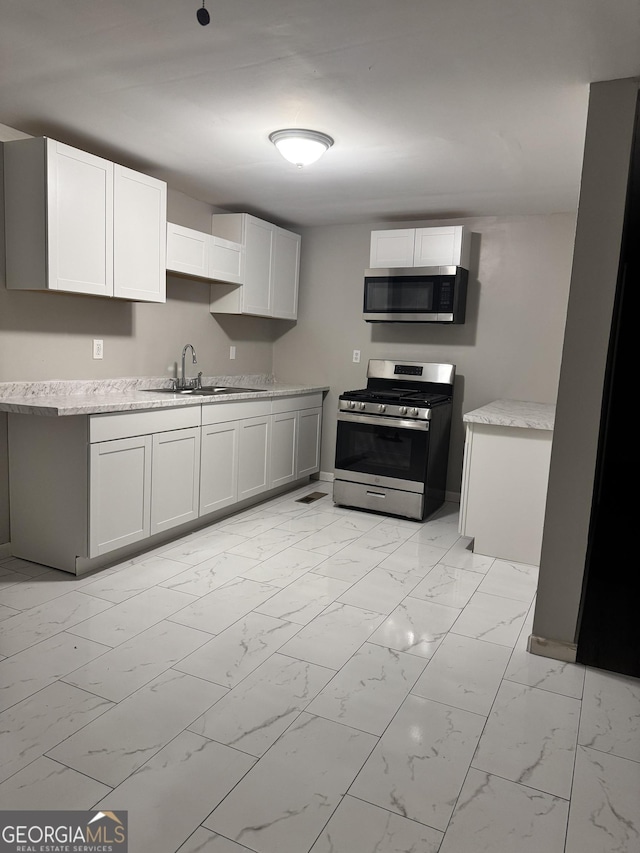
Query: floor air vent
309	499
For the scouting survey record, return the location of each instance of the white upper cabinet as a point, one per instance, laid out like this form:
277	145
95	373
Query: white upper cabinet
441	246
59	218
391	249
257	294
226	260
81	224
286	267
139	236
194	253
271	268
187	251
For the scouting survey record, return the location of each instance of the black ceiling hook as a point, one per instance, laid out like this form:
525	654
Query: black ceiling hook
203	16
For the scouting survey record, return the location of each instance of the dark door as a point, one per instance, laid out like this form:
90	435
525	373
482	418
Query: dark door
609	632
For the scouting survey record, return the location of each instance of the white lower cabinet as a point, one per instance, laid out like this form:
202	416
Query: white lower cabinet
140	485
253	446
295	443
254	457
119	493
175	478
82	487
309	435
504	490
219	466
284	442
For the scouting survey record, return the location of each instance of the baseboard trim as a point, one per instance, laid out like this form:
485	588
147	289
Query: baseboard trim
555	649
327	476
5	550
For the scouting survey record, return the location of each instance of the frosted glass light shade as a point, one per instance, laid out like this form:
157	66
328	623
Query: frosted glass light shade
301	147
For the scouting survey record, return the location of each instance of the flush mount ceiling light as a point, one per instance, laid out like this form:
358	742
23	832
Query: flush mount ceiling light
301	147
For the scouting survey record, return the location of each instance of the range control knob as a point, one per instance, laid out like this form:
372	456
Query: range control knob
361	406
382	408
351	404
403	410
414	411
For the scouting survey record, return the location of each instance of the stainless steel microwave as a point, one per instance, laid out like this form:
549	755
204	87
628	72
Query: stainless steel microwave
415	295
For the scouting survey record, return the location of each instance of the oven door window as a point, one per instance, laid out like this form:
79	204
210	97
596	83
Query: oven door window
384	451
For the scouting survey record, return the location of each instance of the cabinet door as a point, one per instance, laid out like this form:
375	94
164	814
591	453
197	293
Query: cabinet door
140	235
219	466
253	459
187	251
226	261
284	437
175	478
80	221
309	434
392	248
438	247
119	493
286	267
257	294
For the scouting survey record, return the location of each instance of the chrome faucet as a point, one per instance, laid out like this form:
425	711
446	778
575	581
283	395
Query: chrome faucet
183	382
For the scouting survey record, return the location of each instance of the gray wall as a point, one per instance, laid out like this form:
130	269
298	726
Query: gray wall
509	347
603	192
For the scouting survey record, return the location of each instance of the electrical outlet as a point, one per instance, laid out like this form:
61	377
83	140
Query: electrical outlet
232	352
356	356
98	348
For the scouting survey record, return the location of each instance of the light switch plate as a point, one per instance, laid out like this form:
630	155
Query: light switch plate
98	348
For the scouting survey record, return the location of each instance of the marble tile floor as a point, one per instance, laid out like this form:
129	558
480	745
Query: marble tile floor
304	678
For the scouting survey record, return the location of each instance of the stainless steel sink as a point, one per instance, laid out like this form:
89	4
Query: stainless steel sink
205	391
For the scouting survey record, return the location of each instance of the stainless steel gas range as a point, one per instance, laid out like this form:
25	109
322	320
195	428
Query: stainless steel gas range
392	444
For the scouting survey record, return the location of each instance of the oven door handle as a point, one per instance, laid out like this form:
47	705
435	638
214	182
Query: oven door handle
382	421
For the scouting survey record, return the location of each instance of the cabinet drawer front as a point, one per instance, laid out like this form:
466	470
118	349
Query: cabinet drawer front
124	424
295	404
219	413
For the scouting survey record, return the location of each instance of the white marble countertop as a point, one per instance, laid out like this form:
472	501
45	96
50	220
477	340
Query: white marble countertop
88	397
514	413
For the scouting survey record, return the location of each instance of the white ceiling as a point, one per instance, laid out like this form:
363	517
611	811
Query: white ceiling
438	108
